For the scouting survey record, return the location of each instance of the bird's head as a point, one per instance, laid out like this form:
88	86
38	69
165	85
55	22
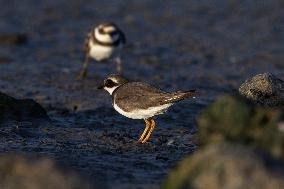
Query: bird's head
112	82
107	32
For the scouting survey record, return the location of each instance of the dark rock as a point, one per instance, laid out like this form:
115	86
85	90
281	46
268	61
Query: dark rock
12	109
13	39
5	60
235	120
28	173
224	166
264	89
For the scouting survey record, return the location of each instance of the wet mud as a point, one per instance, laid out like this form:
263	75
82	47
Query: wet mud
175	45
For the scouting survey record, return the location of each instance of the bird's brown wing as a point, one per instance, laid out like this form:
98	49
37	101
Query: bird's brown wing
136	95
180	95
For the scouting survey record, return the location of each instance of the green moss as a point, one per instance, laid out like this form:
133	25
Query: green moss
223	166
233	119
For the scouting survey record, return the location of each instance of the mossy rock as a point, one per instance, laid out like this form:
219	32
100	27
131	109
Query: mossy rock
235	120
224	166
20	172
12	109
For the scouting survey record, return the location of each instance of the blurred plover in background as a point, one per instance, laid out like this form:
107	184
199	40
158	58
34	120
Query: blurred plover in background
137	100
102	43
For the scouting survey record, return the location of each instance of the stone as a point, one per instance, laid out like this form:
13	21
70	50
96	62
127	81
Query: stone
13	39
264	89
17	171
224	166
12	109
233	119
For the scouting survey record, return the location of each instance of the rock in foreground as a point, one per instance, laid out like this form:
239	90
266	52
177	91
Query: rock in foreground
224	167
264	89
235	120
18	172
13	39
12	109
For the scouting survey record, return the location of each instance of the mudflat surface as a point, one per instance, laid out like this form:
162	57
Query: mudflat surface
174	45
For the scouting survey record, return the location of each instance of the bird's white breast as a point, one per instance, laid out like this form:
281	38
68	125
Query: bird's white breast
99	52
143	113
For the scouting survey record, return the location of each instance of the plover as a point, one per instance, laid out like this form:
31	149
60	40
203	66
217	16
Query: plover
103	42
137	100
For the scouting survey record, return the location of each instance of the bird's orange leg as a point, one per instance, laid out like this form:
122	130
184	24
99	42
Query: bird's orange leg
83	72
153	125
118	63
145	130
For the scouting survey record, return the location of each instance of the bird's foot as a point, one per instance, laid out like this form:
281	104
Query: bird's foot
82	75
151	125
141	141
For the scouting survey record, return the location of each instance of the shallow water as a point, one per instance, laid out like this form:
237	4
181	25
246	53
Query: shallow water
210	46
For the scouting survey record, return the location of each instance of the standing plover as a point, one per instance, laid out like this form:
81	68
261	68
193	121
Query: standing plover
137	100
103	42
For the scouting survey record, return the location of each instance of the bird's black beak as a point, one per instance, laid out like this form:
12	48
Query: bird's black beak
113	33
101	87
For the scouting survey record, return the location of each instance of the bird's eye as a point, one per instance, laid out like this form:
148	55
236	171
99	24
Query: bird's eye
101	30
109	83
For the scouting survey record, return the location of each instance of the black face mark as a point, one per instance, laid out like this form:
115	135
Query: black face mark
111	33
109	83
114	33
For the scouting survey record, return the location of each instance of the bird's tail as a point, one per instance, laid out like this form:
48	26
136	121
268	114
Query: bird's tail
181	95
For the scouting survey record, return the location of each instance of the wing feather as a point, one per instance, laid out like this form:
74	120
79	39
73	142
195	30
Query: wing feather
136	95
